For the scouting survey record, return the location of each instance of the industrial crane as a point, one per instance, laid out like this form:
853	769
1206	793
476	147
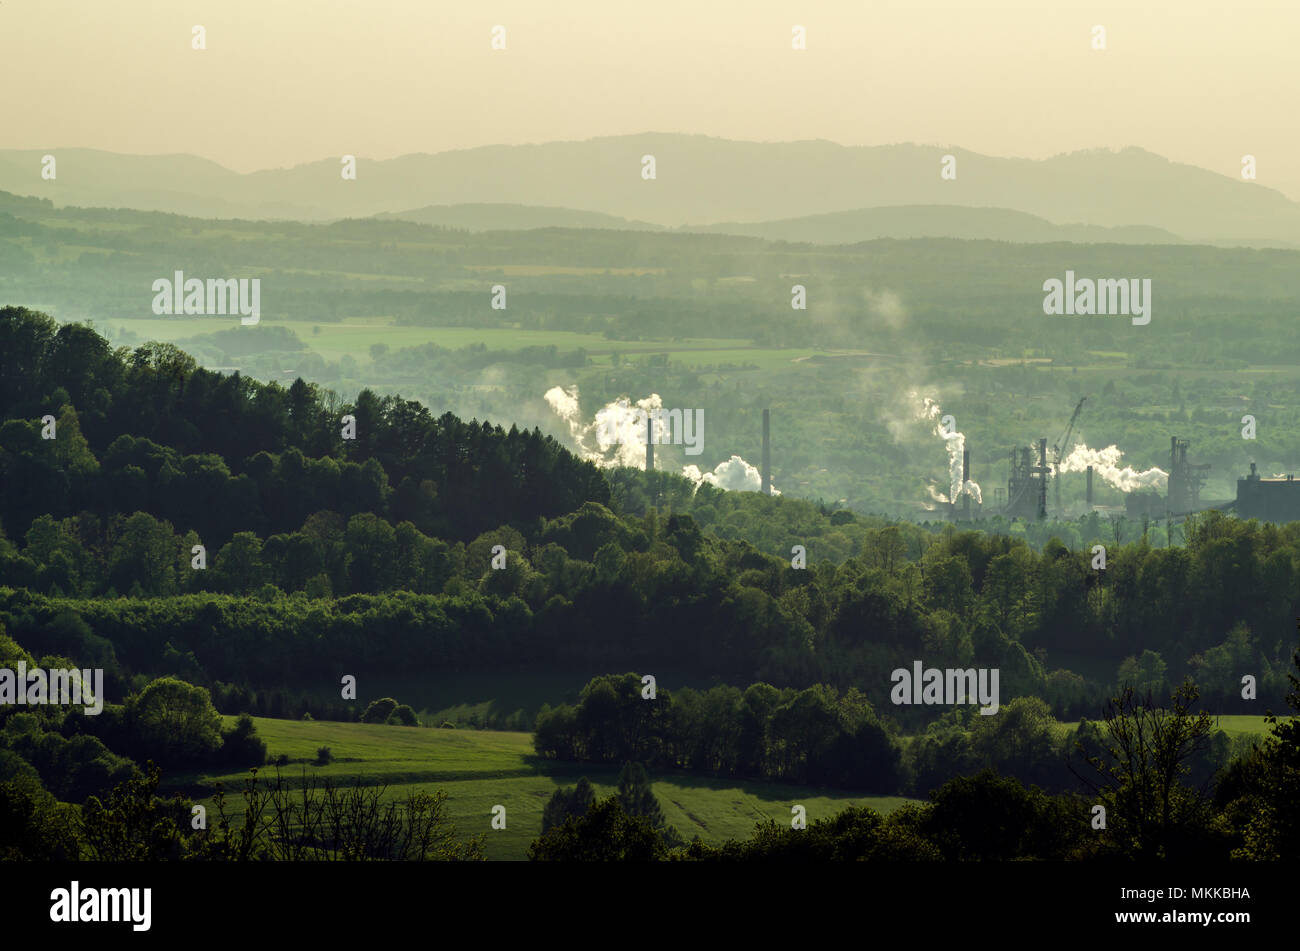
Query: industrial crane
1061	447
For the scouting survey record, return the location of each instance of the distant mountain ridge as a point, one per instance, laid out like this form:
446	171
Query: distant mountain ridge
510	217
702	182
936	221
839	227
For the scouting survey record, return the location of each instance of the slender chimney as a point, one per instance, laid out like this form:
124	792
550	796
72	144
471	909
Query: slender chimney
767	452
1042	478
1090	487
650	443
965	477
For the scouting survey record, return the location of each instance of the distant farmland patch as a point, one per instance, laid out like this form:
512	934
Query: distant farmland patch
480	769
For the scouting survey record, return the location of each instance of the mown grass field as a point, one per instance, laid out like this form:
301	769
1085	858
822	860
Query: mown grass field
480	769
1231	723
1236	724
355	336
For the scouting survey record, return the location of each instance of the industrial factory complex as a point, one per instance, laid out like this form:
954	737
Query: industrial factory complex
1030	473
1034	474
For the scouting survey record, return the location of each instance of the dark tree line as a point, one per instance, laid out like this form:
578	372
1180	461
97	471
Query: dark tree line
1142	763
813	736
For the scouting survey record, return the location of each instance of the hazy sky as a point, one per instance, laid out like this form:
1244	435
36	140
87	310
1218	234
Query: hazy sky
287	81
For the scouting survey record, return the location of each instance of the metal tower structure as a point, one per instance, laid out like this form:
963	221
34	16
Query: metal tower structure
1059	451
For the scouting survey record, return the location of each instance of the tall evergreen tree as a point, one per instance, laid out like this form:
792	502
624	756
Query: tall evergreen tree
568	804
638	799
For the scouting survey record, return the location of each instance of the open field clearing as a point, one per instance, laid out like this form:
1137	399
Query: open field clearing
480	769
1231	724
355	336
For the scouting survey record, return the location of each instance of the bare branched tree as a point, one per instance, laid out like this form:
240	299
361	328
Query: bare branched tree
319	821
1146	752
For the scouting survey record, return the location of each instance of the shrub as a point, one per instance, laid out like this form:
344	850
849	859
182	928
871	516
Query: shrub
172	721
241	746
323	756
379	710
403	715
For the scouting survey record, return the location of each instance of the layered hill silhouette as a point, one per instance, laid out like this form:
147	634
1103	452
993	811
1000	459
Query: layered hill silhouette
936	221
484	216
839	227
700	182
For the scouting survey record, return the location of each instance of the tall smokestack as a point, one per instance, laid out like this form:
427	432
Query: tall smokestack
1042	478
767	452
1090	487
650	444
965	477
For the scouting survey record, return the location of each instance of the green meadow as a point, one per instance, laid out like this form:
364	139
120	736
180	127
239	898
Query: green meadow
356	335
1237	724
1232	724
481	769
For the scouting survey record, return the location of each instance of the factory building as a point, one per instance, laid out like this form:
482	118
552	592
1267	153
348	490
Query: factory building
1269	500
1145	504
1184	488
1185	479
1027	482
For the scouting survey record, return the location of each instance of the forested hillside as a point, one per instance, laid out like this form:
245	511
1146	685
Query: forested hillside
389	538
209	539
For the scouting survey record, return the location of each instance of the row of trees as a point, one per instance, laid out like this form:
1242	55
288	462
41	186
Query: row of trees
818	736
683	600
810	736
1141	803
141	556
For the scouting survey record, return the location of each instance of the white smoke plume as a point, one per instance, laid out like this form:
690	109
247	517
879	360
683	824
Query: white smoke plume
734	475
565	403
955	444
616	437
621	428
1105	462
